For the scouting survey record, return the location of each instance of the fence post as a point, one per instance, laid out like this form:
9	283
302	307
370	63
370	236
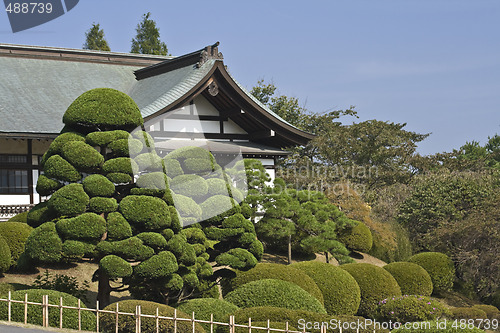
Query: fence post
193	322
60	313
116	323
45	301
286	327
79	315
97	315
175	320
211	323
249	325
25	308
231	324
157	321
138	319
268	325
9	307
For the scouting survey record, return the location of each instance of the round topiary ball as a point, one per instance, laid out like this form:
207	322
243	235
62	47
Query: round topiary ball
340	290
410	308
44	244
15	234
103	108
411	278
5	259
145	212
21	217
358	238
375	284
271	292
440	268
69	200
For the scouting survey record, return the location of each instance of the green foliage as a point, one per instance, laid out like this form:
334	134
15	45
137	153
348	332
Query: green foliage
154	181
104	138
411	278
130	248
69	200
5	258
103	108
82	156
218	206
279	272
126	147
158	266
100	205
149	162
467	313
62	283
153	239
58	168
173	167
98	186
340	290
192	186
204	307
119	178
114	267
15	234
146	213
491	311
217	186
46	186
271	292
357	238
118	228
6	287
124	165
237	258
88	319
39	214
21	217
57	145
127	324
440	268
87	226
147	39
375	284
76	250
410	308
43	244
94	39
263	325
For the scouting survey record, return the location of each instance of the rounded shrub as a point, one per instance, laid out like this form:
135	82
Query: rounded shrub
184	153
82	156
192	186
340	290
75	250
375	284
46	186
127	324
262	326
411	278
279	272
88	226
103	108
491	311
126	147
237	258
58	168
149	161
217	186
115	267
118	228
153	181
440	268
197	166
357	238
467	313
410	308
148	213
187	208
56	146
131	248
153	239
15	234
100	205
173	167
204	307
6	287
119	178
69	200
5	259
43	244
39	214
70	316
21	217
104	138
124	165
272	292
98	186
218	205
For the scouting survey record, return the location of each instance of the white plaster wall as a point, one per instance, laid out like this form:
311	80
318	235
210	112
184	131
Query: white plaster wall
232	128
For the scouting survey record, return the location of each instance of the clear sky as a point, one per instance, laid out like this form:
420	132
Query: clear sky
433	64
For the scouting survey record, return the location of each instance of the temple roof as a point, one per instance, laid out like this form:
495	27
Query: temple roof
39	83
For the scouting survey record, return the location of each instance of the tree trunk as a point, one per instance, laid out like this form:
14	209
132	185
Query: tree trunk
289	249
326	257
104	290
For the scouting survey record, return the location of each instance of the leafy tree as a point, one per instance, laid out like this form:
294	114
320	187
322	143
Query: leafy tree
147	39
94	39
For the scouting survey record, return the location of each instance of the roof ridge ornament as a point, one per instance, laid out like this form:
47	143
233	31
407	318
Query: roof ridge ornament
208	53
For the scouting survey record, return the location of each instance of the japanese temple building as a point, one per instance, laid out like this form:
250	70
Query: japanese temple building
191	99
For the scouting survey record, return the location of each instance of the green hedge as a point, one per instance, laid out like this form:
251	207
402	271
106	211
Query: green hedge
76	250
98	186
5	287
82	156
375	284
358	238
43	244
21	217
145	212
115	267
204	307
88	226
183	153
124	165
104	108
100	205
104	138
69	200
58	168
272	292
411	278
5	258
275	271
46	186
340	290
410	308
440	268
118	228
15	234
173	168
197	166
491	311
467	313
153	181
70	316
127	323
444	327
217	186
131	248
39	214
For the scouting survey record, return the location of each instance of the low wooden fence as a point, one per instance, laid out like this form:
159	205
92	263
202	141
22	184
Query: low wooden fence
7	211
138	316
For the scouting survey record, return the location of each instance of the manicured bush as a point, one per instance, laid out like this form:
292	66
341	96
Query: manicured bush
237	258
124	165
357	238
15	234
87	226
58	168
5	259
440	268
70	316
467	313
192	186
145	212
340	290
190	152
271	292
410	308
69	200
6	287
218	205
432	327
82	156
217	186
149	161
118	228
153	239
57	145
115	267
43	244
98	186
46	186
131	248
263	326
104	138
119	178
146	139
491	311
173	167
197	166
204	307
411	278
75	250
103	108
375	284
101	205
21	217
39	214
126	147
153	181
275	271
188	209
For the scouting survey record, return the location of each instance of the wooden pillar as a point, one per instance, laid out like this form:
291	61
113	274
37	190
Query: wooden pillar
30	171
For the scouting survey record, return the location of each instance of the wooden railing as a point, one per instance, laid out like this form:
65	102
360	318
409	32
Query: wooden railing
11	210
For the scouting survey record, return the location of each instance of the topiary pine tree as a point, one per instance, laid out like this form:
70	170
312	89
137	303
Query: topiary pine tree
305	217
111	202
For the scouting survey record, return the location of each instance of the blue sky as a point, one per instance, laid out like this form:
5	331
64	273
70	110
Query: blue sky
433	64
